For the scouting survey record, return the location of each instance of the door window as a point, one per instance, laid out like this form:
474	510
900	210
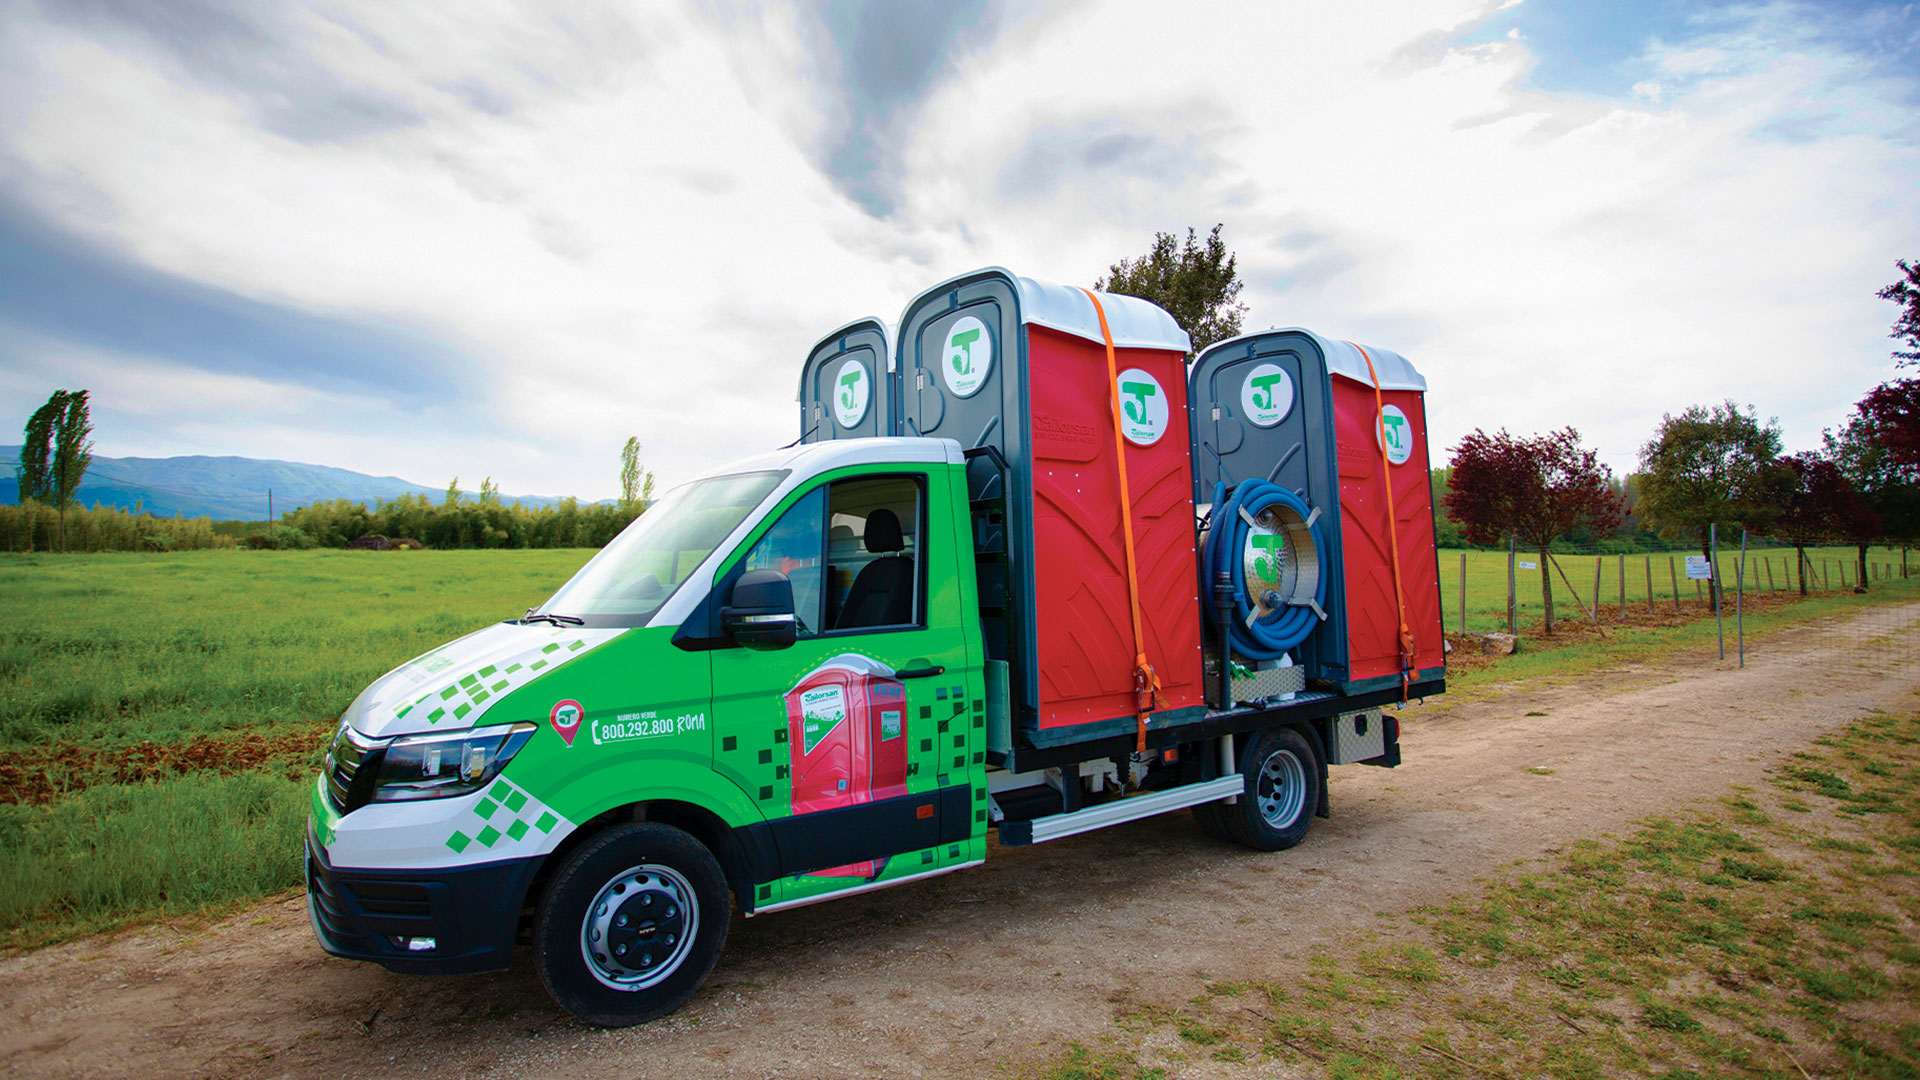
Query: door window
792	547
853	553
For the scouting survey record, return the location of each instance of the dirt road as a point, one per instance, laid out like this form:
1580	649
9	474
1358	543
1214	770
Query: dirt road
1005	963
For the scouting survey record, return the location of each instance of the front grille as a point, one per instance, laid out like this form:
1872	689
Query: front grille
390	898
347	754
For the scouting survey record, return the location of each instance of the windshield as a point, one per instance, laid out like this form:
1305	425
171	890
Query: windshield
633	576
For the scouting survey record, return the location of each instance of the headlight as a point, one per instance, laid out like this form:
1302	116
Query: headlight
446	764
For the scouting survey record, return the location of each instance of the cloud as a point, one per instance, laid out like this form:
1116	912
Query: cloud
583	222
59	286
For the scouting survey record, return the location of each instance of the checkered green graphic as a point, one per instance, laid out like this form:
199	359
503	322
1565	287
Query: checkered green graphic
504	818
467	696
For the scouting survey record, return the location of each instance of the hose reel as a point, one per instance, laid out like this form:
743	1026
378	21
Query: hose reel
1269	542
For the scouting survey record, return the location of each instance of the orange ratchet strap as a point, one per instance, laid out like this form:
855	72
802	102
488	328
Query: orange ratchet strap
1146	684
1393	523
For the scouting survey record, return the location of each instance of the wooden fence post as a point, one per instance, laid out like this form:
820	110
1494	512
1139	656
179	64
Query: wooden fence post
1623	587
1769	561
1599	561
1673	578
1649	584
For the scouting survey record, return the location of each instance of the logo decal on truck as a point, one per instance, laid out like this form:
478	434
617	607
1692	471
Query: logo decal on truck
821	710
1267	396
1396	435
850	393
565	718
967	356
1143	407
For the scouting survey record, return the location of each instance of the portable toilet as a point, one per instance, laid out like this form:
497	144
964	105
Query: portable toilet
846	731
846	386
1295	409
1016	370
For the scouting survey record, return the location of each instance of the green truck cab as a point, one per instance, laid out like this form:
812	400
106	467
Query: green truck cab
651	714
839	666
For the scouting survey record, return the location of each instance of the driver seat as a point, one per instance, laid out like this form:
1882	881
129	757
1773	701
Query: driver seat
882	593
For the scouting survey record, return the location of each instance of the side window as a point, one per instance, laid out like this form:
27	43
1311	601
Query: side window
792	547
874	556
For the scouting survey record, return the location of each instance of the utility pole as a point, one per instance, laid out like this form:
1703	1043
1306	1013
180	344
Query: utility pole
269	504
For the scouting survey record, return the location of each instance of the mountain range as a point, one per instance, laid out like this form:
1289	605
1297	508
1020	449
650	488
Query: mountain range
227	488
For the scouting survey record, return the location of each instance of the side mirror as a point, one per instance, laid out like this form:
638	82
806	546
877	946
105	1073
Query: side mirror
759	612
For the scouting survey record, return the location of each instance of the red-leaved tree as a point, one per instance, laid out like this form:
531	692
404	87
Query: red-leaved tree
1824	507
1892	415
1533	489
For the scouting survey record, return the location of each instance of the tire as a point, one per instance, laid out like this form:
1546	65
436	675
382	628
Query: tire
1208	815
631	925
1282	789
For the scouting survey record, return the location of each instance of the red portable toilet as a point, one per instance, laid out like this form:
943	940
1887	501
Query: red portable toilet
1296	409
1380	425
847	726
1016	370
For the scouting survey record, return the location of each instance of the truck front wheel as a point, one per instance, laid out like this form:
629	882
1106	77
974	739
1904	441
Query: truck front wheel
1282	788
631	925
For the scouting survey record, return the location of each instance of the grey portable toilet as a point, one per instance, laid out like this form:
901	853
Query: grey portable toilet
847	385
1262	409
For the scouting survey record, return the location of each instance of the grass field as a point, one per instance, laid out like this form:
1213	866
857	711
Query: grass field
162	715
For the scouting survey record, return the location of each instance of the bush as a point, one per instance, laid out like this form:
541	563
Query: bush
566	524
34	527
281	538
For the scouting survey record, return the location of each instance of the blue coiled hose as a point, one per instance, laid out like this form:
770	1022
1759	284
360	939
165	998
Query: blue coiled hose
1270	636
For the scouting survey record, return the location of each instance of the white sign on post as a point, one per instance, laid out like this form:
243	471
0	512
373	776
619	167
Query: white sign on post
1525	565
1698	568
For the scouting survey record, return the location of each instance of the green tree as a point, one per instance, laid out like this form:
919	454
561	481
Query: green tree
453	493
72	453
1195	282
1906	328
36	451
1712	465
636	484
489	492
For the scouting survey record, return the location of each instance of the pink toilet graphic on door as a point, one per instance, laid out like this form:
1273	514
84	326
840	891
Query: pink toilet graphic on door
847	725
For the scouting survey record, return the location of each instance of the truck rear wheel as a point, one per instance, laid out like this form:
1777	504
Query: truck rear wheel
631	925
1282	789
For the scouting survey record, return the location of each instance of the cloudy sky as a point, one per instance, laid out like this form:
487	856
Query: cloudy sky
497	238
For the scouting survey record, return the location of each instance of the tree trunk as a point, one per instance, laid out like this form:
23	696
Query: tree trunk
1862	549
1801	550
1546	589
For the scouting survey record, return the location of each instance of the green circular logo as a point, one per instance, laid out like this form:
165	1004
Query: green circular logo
1267	396
1396	434
1143	407
851	391
967	356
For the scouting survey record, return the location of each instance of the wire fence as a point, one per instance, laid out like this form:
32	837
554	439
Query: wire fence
1486	591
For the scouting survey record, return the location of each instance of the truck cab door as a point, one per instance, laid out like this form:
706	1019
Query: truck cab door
862	742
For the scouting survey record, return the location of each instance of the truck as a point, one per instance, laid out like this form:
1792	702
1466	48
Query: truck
1028	572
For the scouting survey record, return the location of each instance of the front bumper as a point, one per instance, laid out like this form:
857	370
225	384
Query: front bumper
472	913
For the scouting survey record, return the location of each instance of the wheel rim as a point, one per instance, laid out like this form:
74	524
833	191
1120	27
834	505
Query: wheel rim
1282	793
640	926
